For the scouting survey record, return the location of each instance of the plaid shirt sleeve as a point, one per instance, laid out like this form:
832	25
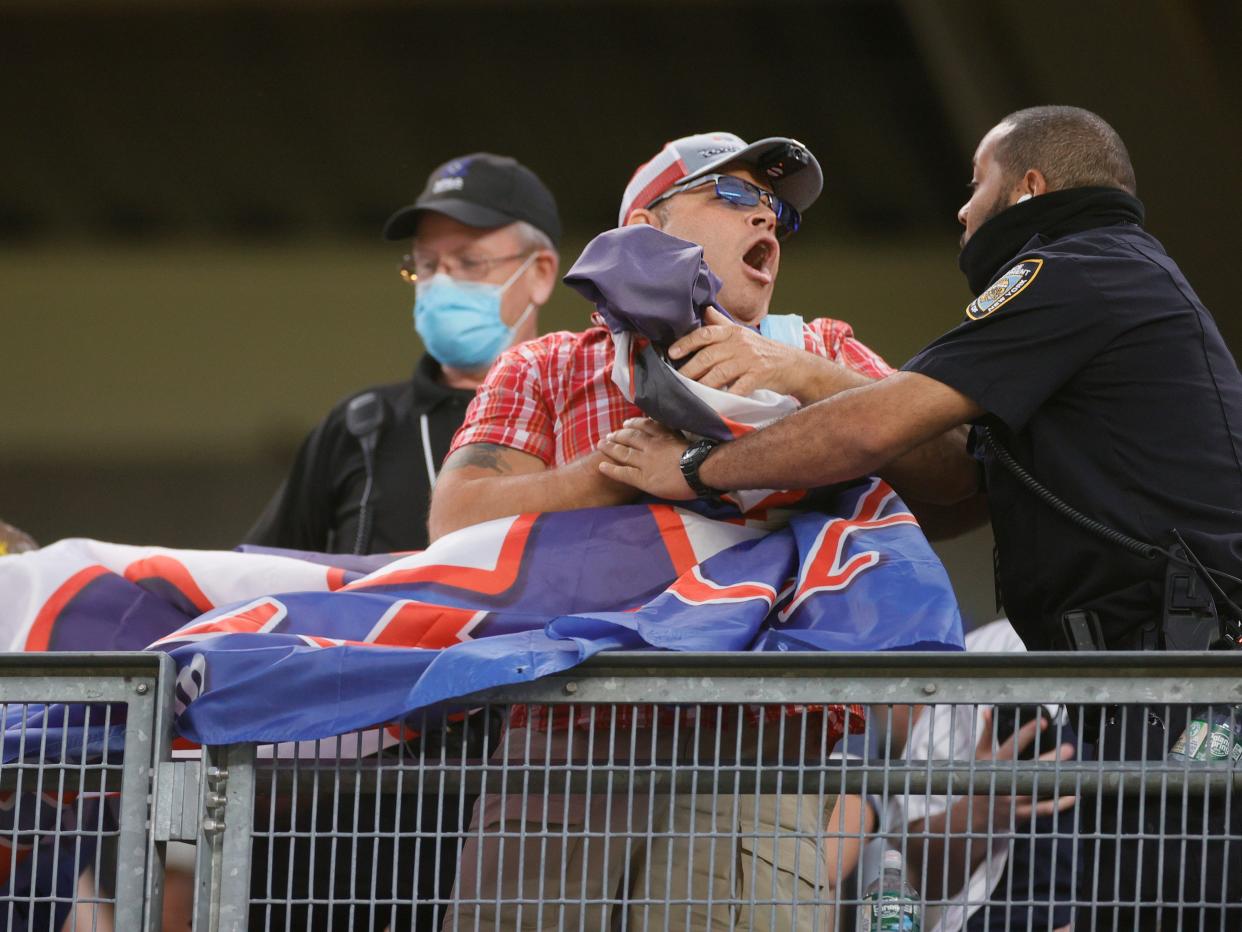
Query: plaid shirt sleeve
834	339
511	408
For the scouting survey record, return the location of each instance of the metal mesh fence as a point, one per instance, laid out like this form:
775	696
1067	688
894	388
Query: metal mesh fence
798	792
56	818
80	742
1012	798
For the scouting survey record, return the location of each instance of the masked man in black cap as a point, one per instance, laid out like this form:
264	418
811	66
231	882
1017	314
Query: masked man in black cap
483	261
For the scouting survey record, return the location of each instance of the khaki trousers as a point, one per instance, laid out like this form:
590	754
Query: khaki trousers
642	860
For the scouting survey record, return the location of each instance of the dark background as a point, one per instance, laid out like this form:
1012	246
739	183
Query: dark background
191	193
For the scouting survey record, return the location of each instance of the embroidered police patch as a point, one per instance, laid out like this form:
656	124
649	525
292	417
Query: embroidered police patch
1004	288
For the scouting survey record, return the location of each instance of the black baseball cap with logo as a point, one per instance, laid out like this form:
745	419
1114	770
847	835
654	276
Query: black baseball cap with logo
481	190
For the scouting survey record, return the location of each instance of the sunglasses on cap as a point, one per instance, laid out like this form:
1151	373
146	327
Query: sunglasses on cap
741	192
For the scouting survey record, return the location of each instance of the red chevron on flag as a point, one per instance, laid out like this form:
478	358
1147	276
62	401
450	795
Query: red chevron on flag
459	563
410	623
693	589
257	616
822	570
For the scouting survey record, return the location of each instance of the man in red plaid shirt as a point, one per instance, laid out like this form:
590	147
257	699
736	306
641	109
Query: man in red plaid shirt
530	437
529	443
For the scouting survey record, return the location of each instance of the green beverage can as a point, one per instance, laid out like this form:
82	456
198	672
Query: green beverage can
1187	746
1219	744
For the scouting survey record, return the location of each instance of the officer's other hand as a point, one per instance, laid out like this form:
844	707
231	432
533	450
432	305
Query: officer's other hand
726	355
1020	808
646	455
15	540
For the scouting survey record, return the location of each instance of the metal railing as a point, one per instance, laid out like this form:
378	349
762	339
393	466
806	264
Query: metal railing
84	734
706	815
671	791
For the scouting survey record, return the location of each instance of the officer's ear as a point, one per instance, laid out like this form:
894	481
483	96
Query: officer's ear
1032	184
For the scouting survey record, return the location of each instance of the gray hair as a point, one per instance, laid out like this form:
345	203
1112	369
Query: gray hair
1072	147
532	238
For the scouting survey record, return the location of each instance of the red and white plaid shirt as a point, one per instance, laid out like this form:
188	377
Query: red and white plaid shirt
554	397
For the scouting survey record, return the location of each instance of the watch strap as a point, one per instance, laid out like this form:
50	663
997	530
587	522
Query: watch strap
691	460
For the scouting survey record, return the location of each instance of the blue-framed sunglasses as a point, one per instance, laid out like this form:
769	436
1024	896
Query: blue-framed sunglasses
741	192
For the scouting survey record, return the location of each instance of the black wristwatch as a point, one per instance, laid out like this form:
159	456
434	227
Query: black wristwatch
691	460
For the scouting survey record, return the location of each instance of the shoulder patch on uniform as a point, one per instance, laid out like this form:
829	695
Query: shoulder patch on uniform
1004	289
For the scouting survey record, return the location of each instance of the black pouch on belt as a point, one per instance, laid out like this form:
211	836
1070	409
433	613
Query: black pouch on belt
1191	621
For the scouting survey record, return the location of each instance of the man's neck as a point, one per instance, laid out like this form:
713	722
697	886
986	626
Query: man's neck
751	320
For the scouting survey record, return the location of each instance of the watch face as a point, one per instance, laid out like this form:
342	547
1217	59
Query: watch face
691	459
695	454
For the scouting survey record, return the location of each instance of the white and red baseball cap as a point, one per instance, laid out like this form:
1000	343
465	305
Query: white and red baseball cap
789	166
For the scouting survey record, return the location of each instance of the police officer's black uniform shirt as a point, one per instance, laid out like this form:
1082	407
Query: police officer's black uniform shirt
1109	381
317	507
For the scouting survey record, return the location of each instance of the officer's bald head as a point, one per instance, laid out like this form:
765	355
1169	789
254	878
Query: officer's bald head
1069	146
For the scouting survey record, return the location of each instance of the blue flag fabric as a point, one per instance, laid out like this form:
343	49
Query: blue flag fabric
296	647
516	599
281	647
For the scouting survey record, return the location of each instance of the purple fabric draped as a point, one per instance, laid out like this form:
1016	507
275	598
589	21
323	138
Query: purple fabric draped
643	280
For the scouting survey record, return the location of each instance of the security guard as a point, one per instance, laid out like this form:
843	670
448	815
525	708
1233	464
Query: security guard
1095	368
1105	377
483	260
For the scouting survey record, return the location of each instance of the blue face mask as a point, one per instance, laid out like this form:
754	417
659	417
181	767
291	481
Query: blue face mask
459	322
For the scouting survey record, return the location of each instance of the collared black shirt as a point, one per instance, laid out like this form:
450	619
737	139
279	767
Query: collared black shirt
1108	380
317	506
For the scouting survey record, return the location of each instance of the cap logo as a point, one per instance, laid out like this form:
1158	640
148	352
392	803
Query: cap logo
455	168
452	177
718	150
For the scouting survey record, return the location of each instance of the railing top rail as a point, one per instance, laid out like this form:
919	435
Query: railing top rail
93	663
676	663
1107	678
1034	663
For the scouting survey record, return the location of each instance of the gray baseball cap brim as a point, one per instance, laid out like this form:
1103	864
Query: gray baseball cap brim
691	157
800	189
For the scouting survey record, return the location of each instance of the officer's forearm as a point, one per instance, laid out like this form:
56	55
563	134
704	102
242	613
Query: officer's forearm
938	472
852	434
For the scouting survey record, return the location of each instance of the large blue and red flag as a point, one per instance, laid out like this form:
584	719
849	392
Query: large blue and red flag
281	647
284	647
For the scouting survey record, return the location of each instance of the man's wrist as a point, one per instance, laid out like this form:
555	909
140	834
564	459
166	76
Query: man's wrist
691	460
604	491
825	378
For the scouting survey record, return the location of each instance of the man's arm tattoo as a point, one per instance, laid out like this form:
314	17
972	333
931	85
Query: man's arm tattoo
489	456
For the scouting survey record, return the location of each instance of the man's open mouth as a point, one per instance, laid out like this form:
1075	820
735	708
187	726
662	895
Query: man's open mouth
761	257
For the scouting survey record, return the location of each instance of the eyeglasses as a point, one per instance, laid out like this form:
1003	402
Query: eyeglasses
741	192
463	268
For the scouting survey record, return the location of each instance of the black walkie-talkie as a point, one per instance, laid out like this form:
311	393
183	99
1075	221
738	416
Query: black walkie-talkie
364	416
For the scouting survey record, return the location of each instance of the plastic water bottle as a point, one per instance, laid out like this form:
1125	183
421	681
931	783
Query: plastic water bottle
890	903
1213	736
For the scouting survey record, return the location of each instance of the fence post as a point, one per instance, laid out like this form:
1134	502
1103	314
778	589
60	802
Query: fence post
222	871
136	875
162	752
